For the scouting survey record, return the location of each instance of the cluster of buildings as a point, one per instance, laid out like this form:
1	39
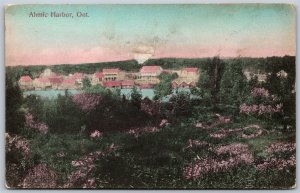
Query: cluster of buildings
147	77
262	76
51	80
187	78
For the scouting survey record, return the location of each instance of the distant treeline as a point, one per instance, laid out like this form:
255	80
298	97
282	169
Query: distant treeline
253	64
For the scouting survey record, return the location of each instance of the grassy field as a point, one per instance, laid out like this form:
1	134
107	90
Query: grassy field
158	159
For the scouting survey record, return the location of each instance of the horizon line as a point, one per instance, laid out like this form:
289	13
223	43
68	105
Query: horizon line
223	58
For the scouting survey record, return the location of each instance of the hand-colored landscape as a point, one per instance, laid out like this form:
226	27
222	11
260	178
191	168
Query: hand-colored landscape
187	97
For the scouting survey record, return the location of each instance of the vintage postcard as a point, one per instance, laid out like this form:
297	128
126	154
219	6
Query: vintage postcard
198	96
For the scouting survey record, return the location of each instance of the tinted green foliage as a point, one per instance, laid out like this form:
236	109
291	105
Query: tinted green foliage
61	114
181	105
283	87
114	113
165	86
65	69
86	83
178	63
14	116
233	91
136	98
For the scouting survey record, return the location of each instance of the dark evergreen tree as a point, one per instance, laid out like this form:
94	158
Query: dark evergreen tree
165	86
181	104
86	83
215	70
15	118
233	84
136	98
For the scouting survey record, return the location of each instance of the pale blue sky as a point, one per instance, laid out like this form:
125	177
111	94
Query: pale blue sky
172	30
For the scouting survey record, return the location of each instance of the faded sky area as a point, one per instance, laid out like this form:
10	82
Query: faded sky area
122	32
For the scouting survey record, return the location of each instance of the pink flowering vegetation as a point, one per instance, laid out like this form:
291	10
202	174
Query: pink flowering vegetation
237	154
82	176
17	143
163	123
32	123
224	133
17	148
86	101
252	131
262	103
281	147
262	92
219	120
136	132
260	109
194	143
96	134
282	155
248	132
277	163
40	176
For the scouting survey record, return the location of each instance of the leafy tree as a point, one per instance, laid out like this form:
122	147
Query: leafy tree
164	88
113	113
181	104
67	118
215	73
214	69
210	80
86	83
15	118
136	98
203	88
283	87
233	84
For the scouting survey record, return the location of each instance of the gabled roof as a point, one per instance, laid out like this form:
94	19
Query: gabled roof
110	70
179	82
191	69
150	69
42	80
174	82
168	71
55	79
25	79
145	85
98	75
127	83
184	83
112	84
69	81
